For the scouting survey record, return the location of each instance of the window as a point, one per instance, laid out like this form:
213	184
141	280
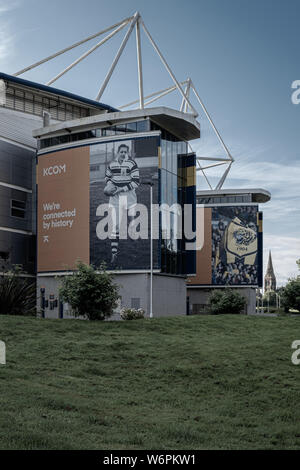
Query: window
4	255
34	103
135	302
18	208
19	100
131	127
143	126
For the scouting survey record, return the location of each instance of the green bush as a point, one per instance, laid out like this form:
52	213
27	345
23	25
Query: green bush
223	301
91	293
17	293
290	297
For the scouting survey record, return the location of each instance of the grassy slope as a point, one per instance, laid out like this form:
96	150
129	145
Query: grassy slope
209	382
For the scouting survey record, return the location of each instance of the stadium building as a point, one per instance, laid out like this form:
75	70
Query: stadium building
229	245
76	160
23	104
79	176
92	131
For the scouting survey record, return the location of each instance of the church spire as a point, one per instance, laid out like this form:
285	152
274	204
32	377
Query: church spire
270	279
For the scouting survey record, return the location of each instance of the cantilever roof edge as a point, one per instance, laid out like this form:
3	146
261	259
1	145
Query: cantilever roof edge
179	123
260	195
48	89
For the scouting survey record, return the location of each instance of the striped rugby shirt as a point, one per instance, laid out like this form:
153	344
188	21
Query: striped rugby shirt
125	174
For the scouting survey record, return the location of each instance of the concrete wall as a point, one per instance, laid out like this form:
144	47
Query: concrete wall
200	296
169	294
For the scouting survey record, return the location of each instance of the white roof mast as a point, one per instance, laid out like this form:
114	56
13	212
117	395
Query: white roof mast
136	22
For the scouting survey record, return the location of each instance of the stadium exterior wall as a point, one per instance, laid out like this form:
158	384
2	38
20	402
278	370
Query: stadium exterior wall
134	290
198	299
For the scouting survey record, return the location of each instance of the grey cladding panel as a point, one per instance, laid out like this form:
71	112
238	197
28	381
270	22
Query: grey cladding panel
20	249
16	165
7	195
18	126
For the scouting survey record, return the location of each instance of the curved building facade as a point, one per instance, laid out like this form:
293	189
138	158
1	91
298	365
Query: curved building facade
96	178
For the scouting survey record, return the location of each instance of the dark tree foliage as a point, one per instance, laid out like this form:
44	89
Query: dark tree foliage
91	293
17	293
223	301
291	295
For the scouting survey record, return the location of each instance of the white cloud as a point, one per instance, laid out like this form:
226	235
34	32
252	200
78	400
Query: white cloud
7	37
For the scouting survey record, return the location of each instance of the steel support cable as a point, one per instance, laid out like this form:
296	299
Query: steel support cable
56	54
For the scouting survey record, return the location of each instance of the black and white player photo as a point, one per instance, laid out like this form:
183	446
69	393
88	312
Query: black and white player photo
122	180
118	173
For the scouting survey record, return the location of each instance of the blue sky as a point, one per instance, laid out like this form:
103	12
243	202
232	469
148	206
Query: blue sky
242	56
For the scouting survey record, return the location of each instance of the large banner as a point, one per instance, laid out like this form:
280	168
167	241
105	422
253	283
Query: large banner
63	209
232	248
235	245
94	206
122	174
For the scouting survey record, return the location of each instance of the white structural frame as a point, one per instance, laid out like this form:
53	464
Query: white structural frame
136	22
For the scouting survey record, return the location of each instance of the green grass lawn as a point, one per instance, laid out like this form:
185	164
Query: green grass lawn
206	382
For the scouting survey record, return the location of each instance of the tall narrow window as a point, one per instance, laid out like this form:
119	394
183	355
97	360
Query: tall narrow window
18	208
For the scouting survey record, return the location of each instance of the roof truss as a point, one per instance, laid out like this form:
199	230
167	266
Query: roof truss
184	88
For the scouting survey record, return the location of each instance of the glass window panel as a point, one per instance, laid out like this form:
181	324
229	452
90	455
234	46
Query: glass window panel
19	100
18	204
169	188
10	97
143	126
46	104
69	113
164	186
17	213
61	112
64	139
121	129
29	102
131	127
169	156
111	130
38	108
175	153
84	112
76	112
174	188
163	154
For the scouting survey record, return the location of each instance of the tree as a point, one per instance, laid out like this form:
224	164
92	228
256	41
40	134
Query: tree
223	301
91	293
291	295
17	293
269	298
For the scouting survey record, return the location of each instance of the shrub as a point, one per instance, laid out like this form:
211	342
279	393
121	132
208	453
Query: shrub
17	293
132	313
91	293
226	300
291	295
